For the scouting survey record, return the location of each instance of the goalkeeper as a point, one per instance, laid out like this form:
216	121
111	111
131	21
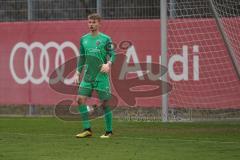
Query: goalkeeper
96	56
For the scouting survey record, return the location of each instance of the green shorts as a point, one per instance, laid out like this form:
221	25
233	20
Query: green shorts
102	88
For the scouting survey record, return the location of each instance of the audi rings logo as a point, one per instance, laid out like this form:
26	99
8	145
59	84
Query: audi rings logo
44	62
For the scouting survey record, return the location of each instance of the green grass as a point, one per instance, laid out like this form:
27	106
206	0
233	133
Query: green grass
53	139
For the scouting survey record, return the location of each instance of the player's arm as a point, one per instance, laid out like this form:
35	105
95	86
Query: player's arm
111	53
80	63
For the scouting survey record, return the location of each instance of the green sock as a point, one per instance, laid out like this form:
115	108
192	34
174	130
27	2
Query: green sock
108	118
84	114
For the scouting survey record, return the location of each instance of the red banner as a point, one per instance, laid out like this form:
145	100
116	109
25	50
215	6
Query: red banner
30	51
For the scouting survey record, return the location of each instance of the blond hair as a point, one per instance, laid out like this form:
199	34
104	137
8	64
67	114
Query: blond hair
95	16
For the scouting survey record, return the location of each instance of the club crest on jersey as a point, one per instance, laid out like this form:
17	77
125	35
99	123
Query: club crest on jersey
98	43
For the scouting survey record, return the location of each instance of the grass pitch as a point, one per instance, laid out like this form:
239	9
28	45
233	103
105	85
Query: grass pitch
53	139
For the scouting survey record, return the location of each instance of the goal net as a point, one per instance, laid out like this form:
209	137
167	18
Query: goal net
210	31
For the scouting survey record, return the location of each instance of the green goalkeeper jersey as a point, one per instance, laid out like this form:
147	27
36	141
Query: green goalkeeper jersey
94	52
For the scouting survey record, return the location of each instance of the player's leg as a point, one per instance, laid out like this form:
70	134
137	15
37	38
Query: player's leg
108	119
104	94
85	90
83	111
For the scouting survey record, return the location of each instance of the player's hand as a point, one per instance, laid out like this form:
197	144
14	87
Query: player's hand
76	77
106	67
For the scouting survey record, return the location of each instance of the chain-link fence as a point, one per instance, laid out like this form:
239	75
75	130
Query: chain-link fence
37	10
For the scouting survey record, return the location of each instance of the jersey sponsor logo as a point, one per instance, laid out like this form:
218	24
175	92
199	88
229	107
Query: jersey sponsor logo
44	61
94	50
